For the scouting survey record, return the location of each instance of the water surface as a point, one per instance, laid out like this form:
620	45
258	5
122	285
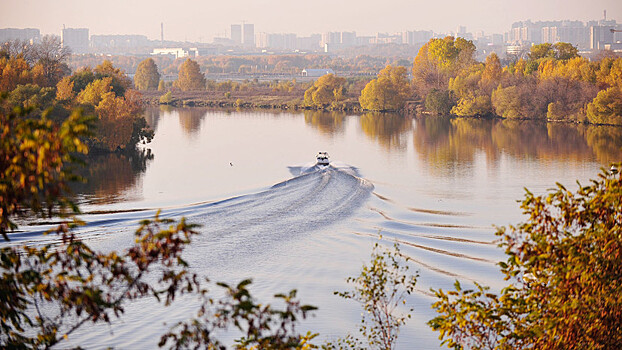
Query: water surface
437	186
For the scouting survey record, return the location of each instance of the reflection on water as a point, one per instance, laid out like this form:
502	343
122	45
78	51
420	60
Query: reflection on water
387	128
326	122
112	178
442	143
152	116
605	142
445	141
190	119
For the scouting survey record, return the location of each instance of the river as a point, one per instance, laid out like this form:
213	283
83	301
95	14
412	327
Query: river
437	186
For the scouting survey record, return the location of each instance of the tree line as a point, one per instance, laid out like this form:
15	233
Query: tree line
553	83
37	79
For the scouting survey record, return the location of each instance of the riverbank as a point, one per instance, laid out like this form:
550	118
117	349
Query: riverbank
265	99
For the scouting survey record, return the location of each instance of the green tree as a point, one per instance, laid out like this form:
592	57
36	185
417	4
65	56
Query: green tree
387	92
190	76
565	289
565	51
380	289
147	76
81	79
540	51
558	51
440	102
32	96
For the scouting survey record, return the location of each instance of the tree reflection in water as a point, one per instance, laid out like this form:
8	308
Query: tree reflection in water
389	129
329	123
111	177
444	141
190	119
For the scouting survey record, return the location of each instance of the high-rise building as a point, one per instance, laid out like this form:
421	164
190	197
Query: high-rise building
599	36
348	39
236	34
26	34
77	39
417	37
248	35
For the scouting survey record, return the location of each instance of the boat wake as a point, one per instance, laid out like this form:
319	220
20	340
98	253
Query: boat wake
317	196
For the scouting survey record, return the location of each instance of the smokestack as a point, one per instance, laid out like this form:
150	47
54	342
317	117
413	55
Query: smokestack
162	33
605	14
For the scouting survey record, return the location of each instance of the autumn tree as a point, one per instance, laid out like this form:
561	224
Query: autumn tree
565	281
190	76
64	89
94	92
35	165
120	124
326	90
147	76
606	107
387	92
13	71
119	80
491	75
439	60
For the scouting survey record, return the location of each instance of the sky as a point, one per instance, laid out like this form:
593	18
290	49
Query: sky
194	20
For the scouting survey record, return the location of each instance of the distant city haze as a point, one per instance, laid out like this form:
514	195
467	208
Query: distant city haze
186	20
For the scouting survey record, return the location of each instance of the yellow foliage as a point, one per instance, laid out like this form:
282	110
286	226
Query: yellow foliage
326	90
64	89
115	121
13	72
95	91
388	92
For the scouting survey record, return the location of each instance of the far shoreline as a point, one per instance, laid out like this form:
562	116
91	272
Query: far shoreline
288	102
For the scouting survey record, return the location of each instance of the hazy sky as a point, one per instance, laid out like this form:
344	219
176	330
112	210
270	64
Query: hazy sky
201	20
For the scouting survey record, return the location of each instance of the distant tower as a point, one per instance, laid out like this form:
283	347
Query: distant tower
236	33
605	14
162	33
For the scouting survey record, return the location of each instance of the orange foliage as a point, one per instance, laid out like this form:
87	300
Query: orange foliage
115	121
13	72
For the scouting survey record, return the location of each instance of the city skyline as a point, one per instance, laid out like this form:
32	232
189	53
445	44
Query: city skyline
200	22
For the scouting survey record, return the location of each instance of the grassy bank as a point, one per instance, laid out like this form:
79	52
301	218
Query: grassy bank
257	98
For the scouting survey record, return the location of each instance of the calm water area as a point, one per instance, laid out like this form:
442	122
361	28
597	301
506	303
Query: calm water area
436	186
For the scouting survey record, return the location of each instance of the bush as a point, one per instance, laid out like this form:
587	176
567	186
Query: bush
166	98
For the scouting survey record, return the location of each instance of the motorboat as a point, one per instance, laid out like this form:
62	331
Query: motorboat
322	158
